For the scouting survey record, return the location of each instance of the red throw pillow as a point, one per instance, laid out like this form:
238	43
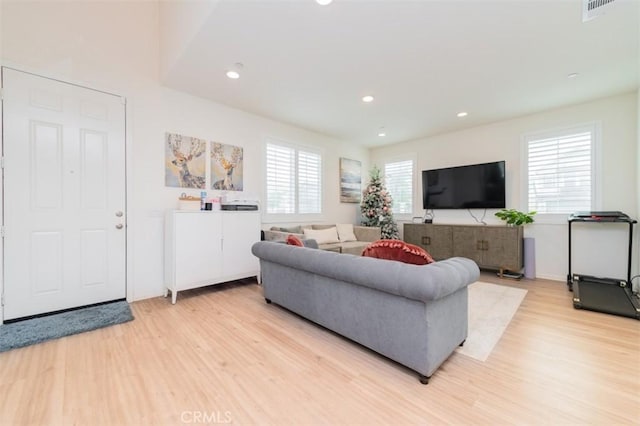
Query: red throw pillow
292	240
398	250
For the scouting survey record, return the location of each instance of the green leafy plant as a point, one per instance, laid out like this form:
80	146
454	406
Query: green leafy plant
515	217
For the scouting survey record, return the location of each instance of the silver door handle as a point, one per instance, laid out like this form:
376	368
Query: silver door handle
119	226
118	214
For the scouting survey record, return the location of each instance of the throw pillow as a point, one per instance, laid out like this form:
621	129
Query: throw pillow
345	232
398	250
322	236
292	240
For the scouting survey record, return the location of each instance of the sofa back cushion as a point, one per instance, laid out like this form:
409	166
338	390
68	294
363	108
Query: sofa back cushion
398	250
323	236
291	229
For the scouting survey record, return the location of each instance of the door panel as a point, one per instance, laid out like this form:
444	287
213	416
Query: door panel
197	261
46	165
241	231
64	180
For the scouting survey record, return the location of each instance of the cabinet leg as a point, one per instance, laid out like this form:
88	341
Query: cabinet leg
501	272
462	343
174	296
166	292
424	379
267	300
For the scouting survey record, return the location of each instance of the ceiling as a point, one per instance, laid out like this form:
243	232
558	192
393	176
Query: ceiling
423	61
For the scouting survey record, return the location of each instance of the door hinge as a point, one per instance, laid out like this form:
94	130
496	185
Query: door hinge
1	94
2	162
2	231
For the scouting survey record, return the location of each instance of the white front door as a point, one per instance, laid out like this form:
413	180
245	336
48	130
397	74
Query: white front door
64	195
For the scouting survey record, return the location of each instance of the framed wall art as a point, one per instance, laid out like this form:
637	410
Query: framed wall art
185	165
226	167
350	180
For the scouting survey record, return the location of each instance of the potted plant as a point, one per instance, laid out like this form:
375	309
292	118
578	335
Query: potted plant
514	217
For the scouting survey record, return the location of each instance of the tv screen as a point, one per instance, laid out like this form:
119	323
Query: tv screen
464	187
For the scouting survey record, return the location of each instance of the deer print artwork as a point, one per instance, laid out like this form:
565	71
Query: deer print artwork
226	167
184	163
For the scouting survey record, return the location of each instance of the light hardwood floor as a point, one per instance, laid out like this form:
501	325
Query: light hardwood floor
223	355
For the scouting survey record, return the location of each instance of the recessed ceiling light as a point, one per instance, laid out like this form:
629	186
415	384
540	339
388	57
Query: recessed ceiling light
462	114
233	75
382	134
367	98
323	2
572	75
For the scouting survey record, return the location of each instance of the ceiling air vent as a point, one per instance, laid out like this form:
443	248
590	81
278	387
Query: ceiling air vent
594	8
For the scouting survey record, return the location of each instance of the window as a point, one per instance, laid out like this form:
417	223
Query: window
399	182
561	172
293	180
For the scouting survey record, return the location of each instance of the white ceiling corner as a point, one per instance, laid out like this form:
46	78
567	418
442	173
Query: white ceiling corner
424	61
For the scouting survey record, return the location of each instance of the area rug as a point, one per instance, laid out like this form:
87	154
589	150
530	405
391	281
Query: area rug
36	330
491	308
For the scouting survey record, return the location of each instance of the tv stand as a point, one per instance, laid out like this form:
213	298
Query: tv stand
490	246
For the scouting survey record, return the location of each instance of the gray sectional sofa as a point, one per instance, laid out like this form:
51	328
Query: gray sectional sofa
415	315
364	235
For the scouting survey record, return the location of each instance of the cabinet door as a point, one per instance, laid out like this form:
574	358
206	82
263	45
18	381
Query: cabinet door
436	239
198	248
241	230
441	242
503	248
413	232
467	241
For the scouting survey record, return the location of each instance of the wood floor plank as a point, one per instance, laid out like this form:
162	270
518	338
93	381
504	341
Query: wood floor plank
221	354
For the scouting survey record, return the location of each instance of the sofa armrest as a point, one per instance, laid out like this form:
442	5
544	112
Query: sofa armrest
367	233
279	235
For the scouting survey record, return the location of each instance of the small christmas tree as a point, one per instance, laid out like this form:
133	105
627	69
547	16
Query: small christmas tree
376	207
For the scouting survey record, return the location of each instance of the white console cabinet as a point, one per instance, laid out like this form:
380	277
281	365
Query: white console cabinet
208	247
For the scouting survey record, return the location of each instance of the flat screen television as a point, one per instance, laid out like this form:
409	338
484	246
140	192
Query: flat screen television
465	187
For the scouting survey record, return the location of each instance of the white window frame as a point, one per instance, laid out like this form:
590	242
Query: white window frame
409	157
596	167
292	217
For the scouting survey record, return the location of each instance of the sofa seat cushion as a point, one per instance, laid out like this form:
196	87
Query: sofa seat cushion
354	247
398	250
337	247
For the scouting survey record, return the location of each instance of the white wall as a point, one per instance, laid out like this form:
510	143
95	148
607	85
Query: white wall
1	186
502	141
180	22
114	46
636	282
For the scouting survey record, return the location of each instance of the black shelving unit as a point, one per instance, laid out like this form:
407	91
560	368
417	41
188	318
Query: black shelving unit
608	295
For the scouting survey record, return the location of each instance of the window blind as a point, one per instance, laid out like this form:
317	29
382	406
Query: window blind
560	173
309	182
293	180
399	181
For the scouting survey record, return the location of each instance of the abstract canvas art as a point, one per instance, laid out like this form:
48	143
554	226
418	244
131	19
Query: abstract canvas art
350	180
226	167
185	165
